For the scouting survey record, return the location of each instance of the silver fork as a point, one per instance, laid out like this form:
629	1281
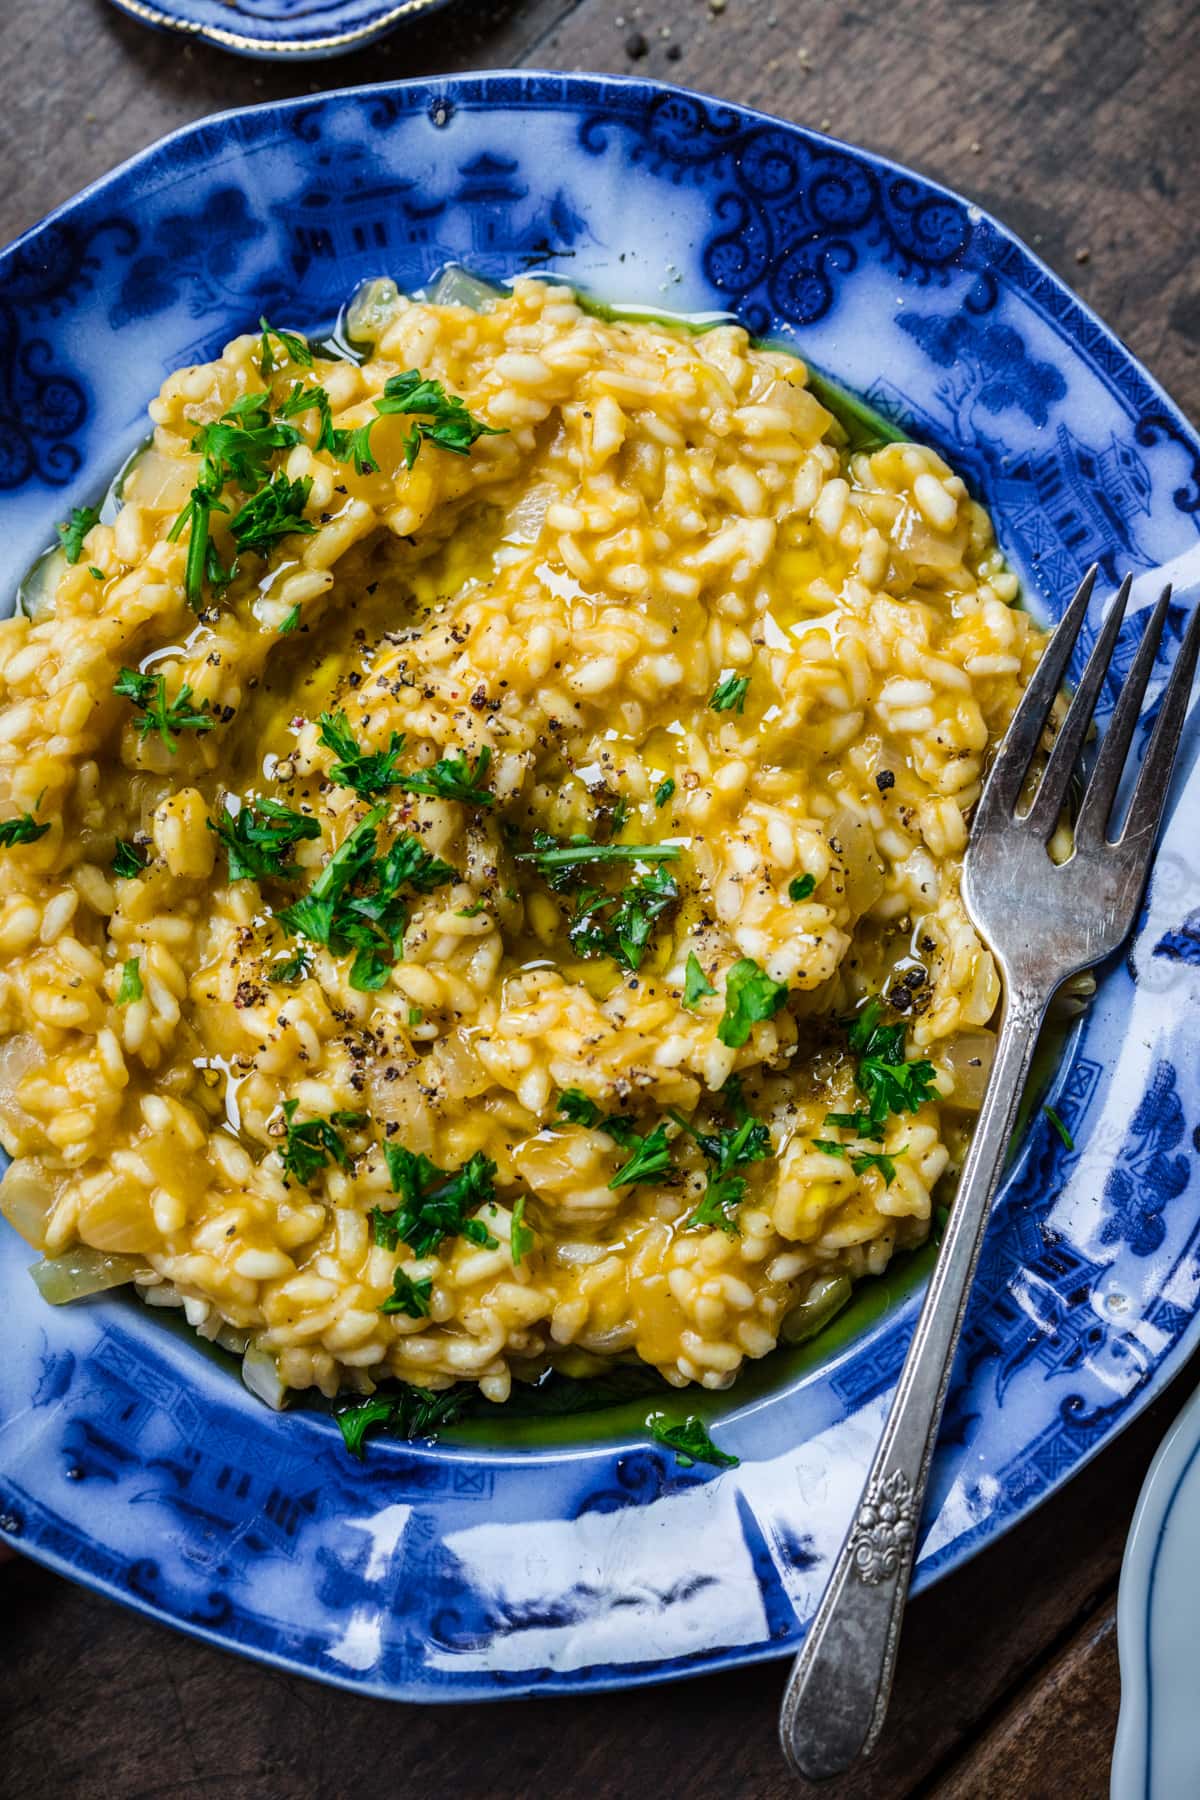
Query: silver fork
1043	923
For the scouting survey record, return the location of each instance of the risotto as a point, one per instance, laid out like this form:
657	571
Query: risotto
481	839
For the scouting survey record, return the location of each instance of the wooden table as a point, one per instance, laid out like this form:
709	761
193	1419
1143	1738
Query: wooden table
1077	122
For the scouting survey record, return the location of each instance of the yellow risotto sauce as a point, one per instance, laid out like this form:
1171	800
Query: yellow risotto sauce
453	869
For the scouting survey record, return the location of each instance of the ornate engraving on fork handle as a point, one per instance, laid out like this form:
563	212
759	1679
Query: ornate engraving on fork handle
883	1528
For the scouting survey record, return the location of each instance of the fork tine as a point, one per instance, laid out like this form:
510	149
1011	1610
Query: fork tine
1043	814
1154	776
1003	787
1101	791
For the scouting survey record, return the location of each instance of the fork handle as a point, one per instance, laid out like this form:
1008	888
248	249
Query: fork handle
837	1695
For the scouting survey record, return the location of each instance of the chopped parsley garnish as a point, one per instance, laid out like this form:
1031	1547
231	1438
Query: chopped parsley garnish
696	985
729	695
621	925
888	1083
257	835
98	573
441	418
409	1412
651	1157
275	512
862	1159
435	1203
727	1148
24	829
289	624
575	1106
470	912
76	529
128	860
368	772
801	887
689	1440
294	349
131	982
235	450
1067	1140
149	694
556	861
452	778
664	790
408	1296
315	1142
290	969
750	996
521	1238
370	920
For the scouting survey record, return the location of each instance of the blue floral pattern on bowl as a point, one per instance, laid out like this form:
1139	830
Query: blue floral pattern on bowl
130	1461
279	30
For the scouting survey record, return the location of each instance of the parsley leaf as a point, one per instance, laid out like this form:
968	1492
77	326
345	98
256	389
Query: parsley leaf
729	695
442	418
24	829
149	694
1067	1140
750	995
257	835
689	1440
801	887
291	969
625	932
651	1157
452	778
435	1203
888	1082
408	1296
862	1159
76	529
294	348
696	985
275	511
131	982
314	1142
370	920
727	1148
664	790
556	861
236	448
575	1106
368	772
289	624
521	1239
409	1412
128	860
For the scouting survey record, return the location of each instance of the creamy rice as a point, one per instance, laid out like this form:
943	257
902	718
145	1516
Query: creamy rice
657	520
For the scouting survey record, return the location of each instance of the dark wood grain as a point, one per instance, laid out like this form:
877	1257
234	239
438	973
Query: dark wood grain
1079	123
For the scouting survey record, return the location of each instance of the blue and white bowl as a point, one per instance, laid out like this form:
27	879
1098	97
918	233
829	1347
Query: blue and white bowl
279	30
130	1461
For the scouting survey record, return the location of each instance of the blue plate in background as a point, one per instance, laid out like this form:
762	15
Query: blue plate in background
279	30
130	1461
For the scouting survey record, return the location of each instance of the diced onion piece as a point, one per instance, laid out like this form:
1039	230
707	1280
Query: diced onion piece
38	587
370	307
260	1372
229	1338
26	1199
969	1062
857	854
456	286
826	1297
82	1271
